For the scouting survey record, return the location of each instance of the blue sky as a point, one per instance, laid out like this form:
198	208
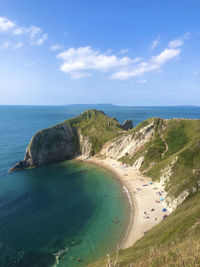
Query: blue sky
131	52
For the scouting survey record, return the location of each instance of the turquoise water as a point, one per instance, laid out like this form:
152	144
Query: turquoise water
64	209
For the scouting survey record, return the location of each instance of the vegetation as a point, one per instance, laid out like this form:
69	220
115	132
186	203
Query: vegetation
176	240
173	242
173	138
152	150
93	124
98	127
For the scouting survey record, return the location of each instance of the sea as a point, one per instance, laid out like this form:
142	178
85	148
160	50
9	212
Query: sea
63	214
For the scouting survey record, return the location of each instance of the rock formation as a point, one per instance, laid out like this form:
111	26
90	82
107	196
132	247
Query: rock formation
127	125
50	145
82	135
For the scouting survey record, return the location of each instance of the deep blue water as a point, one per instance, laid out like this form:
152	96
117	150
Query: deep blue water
65	208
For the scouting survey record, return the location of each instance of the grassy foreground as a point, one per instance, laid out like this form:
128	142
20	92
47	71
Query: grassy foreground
173	242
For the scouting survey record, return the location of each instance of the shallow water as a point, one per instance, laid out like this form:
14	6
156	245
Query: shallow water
65	209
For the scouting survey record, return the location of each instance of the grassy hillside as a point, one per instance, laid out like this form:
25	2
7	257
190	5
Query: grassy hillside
176	138
97	126
173	242
176	240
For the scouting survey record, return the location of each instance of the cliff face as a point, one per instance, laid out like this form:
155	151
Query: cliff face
127	125
50	145
127	145
85	145
82	135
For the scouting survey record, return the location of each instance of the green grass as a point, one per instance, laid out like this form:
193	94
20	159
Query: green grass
93	124
183	140
151	150
176	240
98	127
169	240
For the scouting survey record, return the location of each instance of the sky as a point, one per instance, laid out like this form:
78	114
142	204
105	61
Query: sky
130	52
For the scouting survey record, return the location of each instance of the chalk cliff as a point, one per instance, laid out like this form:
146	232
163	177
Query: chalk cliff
82	135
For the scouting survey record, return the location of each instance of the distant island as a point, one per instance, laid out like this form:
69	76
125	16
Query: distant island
158	162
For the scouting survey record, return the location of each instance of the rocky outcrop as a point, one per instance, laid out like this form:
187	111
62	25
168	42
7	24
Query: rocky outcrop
85	145
128	144
82	135
173	203
167	172
138	163
127	125
53	144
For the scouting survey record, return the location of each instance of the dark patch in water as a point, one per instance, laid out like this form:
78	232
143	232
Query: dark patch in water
34	259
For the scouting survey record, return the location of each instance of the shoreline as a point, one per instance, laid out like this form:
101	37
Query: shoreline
143	197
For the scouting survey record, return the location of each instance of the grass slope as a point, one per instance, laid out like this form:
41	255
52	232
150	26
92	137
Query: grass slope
98	127
176	240
183	140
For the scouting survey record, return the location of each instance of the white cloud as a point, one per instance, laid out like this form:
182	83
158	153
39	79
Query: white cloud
35	35
6	25
5	45
56	47
79	62
19	31
86	58
18	45
8	44
40	41
165	55
176	43
34	31
179	41
155	43
155	63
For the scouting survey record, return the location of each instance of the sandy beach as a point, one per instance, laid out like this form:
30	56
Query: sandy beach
146	198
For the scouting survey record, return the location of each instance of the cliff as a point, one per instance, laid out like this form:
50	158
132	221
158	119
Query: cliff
82	135
50	145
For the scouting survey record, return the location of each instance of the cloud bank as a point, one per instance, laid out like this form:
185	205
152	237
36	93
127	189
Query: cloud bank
81	62
86	58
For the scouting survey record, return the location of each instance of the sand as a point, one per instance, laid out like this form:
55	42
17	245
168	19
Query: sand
143	195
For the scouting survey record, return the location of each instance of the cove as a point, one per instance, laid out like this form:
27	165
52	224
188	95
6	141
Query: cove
58	214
